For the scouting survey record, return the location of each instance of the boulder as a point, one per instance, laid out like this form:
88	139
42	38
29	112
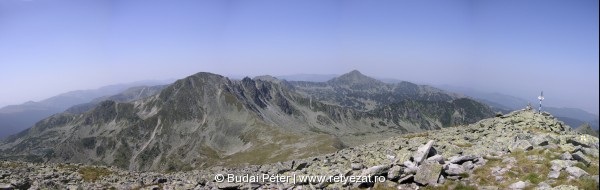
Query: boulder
565	187
376	170
520	145
566	156
6	186
584	140
579	156
539	140
394	173
422	152
591	152
428	173
519	185
226	185
436	158
554	174
461	159
357	166
468	165
454	169
301	165
576	172
558	165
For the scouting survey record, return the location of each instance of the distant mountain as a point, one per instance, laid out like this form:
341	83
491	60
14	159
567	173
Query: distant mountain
308	77
573	117
206	120
15	118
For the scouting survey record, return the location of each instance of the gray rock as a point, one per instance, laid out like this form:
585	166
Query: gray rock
428	173
454	169
226	185
301	165
565	187
422	152
442	179
582	140
576	172
376	170
520	145
543	185
488	188
394	173
468	165
357	166
590	151
539	140
6	186
554	174
436	158
405	178
461	159
566	156
558	165
519	185
411	168
579	156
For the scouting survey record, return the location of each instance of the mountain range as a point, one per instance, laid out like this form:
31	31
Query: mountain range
573	117
207	119
500	102
16	118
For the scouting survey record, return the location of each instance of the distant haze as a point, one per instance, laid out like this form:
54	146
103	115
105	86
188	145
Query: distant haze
516	47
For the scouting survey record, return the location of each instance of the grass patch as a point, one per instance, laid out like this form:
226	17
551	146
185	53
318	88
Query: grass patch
533	178
535	171
451	185
586	183
464	175
483	173
91	174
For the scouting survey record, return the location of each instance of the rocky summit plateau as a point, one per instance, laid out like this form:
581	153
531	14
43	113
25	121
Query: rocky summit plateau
519	150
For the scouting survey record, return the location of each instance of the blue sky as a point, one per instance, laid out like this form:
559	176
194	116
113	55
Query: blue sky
515	47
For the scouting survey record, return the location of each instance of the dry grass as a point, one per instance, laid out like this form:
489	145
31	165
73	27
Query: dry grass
534	171
451	185
91	174
12	165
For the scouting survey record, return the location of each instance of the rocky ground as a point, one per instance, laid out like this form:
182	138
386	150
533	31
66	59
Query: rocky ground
520	150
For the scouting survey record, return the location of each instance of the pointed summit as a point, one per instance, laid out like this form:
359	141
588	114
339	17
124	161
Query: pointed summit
354	78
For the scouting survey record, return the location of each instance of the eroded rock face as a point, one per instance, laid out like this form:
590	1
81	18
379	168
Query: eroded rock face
449	155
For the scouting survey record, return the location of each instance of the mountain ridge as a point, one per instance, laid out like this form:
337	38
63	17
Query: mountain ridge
247	121
521	149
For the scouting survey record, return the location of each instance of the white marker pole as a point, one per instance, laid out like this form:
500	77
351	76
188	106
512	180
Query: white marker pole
541	97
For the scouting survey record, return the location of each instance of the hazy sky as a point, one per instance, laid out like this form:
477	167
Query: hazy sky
513	47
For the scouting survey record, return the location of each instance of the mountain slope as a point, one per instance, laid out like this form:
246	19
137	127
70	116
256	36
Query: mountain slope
15	118
130	94
206	120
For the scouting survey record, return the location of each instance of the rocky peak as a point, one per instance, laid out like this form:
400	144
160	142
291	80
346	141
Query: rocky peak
355	78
